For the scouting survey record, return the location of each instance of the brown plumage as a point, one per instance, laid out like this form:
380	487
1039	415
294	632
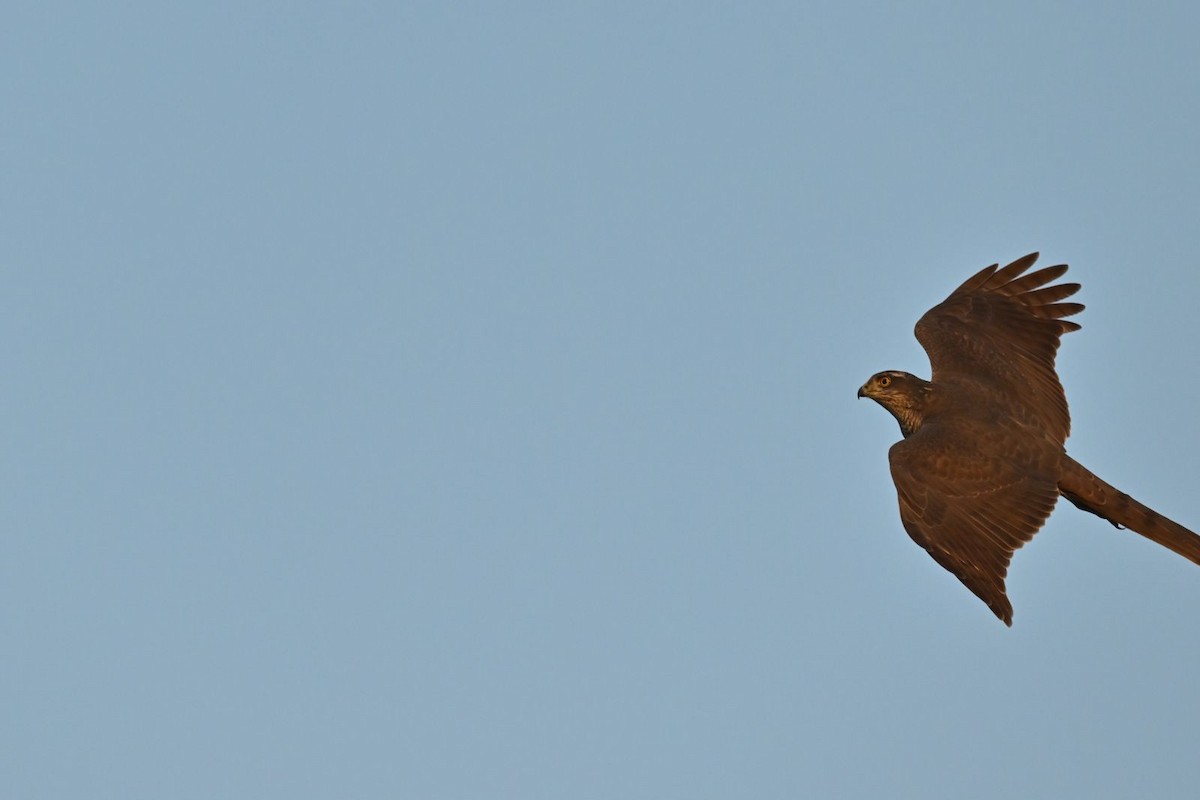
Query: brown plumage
982	461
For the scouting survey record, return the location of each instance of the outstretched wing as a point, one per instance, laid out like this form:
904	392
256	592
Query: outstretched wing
971	508
1000	330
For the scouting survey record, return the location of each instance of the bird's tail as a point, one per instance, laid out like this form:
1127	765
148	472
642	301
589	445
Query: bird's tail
1085	490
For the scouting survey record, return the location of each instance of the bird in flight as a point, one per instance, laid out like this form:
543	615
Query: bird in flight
982	460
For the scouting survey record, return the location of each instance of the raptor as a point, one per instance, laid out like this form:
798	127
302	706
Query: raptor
982	461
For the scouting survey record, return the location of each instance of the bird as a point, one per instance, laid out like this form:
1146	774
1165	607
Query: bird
982	459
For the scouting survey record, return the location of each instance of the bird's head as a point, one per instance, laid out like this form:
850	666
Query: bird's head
904	395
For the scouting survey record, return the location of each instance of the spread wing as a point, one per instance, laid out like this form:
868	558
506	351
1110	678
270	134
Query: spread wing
970	508
1000	331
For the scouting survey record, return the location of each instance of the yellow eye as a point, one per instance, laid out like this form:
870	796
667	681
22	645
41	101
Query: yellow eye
884	380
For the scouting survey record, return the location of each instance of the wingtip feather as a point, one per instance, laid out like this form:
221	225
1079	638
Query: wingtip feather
977	280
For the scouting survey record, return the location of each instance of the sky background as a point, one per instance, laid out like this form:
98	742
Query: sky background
457	400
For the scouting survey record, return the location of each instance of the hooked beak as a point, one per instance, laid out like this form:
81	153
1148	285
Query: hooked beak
862	391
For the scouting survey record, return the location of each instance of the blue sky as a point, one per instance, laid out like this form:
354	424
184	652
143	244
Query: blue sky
457	401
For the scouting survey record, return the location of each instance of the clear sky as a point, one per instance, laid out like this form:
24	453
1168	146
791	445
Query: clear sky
456	400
